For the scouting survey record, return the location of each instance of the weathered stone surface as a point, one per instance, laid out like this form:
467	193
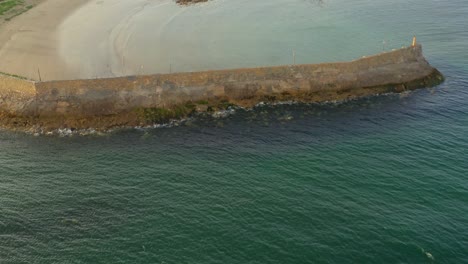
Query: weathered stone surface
17	96
104	103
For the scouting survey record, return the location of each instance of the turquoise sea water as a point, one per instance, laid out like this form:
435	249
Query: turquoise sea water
376	180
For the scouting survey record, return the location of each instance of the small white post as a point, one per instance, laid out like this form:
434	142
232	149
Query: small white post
294	56
414	41
123	64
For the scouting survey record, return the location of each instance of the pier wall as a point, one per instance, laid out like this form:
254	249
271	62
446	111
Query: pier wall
392	71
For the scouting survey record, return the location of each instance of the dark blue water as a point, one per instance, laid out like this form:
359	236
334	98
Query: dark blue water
377	180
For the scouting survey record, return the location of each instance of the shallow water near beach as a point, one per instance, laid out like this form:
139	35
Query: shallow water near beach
376	180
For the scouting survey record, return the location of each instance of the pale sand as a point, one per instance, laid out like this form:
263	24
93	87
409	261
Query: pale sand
77	39
29	42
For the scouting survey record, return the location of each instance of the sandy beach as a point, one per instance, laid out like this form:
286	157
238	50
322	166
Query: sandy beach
75	39
29	42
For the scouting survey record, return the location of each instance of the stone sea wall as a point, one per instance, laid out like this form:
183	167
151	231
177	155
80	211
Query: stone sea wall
141	100
17	95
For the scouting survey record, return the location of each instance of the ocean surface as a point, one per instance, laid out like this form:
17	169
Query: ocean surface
376	180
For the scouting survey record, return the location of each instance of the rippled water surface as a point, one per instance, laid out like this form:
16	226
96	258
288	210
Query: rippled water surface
377	180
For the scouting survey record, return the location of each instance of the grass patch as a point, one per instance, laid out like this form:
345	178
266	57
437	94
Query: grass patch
14	75
20	12
188	2
7	5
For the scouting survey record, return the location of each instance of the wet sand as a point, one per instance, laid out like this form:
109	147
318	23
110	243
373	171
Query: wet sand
87	39
29	42
108	38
